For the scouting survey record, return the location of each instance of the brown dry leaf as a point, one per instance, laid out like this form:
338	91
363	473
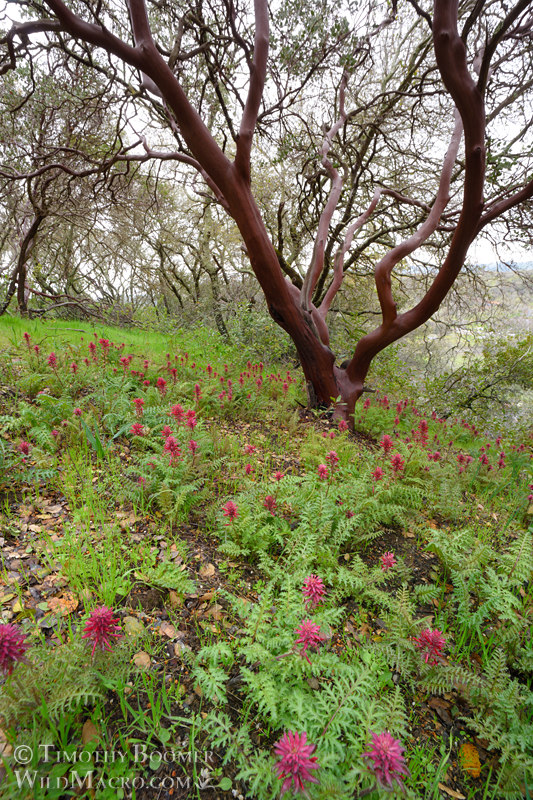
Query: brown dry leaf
175	599
208	571
408	534
451	792
216	612
207	596
142	660
5	748
89	732
168	630
63	605
348	627
35	528
436	702
469	758
7	597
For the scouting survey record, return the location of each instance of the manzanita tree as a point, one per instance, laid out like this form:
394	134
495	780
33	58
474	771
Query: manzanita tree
465	54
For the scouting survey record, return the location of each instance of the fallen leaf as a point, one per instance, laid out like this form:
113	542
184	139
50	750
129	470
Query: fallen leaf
89	732
63	605
469	758
133	626
175	599
142	660
7	597
168	630
216	612
5	748
451	792
436	702
208	571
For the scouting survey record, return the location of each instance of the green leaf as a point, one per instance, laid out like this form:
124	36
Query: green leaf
94	440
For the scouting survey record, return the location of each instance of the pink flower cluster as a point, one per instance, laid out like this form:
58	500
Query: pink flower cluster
296	760
13	645
431	643
313	591
387	561
308	637
230	510
387	760
101	628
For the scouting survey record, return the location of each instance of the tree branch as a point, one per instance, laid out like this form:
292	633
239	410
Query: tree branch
337	182
338	271
255	90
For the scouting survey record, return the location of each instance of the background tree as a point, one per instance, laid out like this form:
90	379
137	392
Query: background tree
214	86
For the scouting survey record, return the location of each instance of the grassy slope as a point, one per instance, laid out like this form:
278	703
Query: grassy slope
151	539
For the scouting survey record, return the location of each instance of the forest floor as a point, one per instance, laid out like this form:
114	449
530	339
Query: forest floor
201	551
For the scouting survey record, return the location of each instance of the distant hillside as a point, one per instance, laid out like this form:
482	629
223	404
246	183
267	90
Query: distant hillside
521	266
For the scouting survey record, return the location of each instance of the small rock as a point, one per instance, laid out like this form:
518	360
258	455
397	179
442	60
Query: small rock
180	648
133	626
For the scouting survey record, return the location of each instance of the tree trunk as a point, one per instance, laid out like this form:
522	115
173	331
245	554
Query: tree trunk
21	269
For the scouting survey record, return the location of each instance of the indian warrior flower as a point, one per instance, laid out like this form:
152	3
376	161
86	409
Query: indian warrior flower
101	627
270	504
13	645
313	591
387	760
387	561
432	642
230	510
308	636
296	760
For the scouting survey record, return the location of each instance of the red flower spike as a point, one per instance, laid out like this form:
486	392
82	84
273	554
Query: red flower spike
313	590
230	510
296	759
13	645
101	627
308	636
387	760
432	642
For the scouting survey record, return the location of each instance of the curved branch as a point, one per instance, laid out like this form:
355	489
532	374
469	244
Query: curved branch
255	90
384	268
450	53
338	272
502	206
337	182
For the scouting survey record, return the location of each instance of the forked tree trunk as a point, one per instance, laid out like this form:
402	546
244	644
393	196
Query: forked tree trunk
230	182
